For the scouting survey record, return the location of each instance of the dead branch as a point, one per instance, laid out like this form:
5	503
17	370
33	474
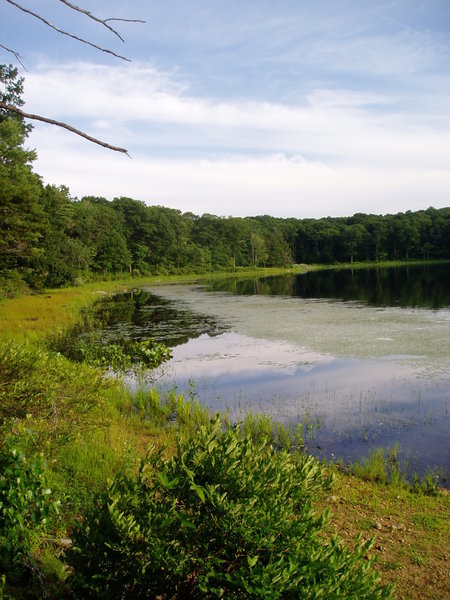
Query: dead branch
101	21
63	32
16	54
82	134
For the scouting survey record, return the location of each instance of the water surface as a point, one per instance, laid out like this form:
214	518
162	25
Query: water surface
361	373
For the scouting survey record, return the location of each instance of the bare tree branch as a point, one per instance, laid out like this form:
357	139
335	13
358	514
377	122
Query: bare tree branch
101	21
71	35
105	23
124	20
16	110
16	54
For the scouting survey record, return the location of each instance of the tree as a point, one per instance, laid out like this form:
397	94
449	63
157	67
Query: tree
259	251
20	212
353	236
55	263
98	226
277	249
138	229
15	109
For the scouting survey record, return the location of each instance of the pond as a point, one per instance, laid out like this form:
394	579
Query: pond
361	357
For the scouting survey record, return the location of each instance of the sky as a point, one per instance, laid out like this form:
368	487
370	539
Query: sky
294	108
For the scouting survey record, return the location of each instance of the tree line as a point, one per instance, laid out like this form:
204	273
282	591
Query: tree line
59	239
49	239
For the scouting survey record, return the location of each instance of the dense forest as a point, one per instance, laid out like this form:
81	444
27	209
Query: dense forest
49	239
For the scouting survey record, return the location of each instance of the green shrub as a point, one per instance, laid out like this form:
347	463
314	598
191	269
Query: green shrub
226	516
25	503
12	285
57	393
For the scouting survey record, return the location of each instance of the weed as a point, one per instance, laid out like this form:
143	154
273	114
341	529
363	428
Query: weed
428	485
418	560
381	466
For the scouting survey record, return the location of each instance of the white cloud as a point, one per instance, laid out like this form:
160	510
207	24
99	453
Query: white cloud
241	185
336	152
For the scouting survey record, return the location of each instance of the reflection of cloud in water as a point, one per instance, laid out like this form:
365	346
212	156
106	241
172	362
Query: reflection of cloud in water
234	353
283	379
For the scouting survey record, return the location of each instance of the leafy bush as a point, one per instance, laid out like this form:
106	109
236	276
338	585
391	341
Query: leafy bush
48	387
226	516
25	503
12	284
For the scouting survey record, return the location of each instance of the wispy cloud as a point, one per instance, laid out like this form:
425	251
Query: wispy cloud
336	126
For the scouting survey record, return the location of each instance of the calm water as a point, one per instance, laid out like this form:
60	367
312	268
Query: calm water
420	285
363	358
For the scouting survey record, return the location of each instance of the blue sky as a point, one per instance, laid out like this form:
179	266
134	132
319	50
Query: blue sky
290	108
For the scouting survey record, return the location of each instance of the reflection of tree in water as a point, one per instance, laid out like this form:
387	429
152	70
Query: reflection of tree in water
416	286
140	315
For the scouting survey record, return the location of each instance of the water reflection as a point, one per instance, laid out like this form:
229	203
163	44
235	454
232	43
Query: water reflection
414	286
140	315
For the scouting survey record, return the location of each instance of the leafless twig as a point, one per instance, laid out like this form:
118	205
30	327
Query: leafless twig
82	134
16	54
63	32
101	21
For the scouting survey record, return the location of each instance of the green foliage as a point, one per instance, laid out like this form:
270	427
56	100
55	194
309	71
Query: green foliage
11	93
20	213
55	392
282	437
428	485
83	467
161	411
25	501
11	285
225	517
123	355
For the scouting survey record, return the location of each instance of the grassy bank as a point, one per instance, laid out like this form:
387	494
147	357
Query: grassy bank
89	429
382	264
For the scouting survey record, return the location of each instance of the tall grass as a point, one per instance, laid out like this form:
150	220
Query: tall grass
383	466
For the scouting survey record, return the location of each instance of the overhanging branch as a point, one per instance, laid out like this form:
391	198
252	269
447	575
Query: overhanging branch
16	54
101	21
63	32
82	134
